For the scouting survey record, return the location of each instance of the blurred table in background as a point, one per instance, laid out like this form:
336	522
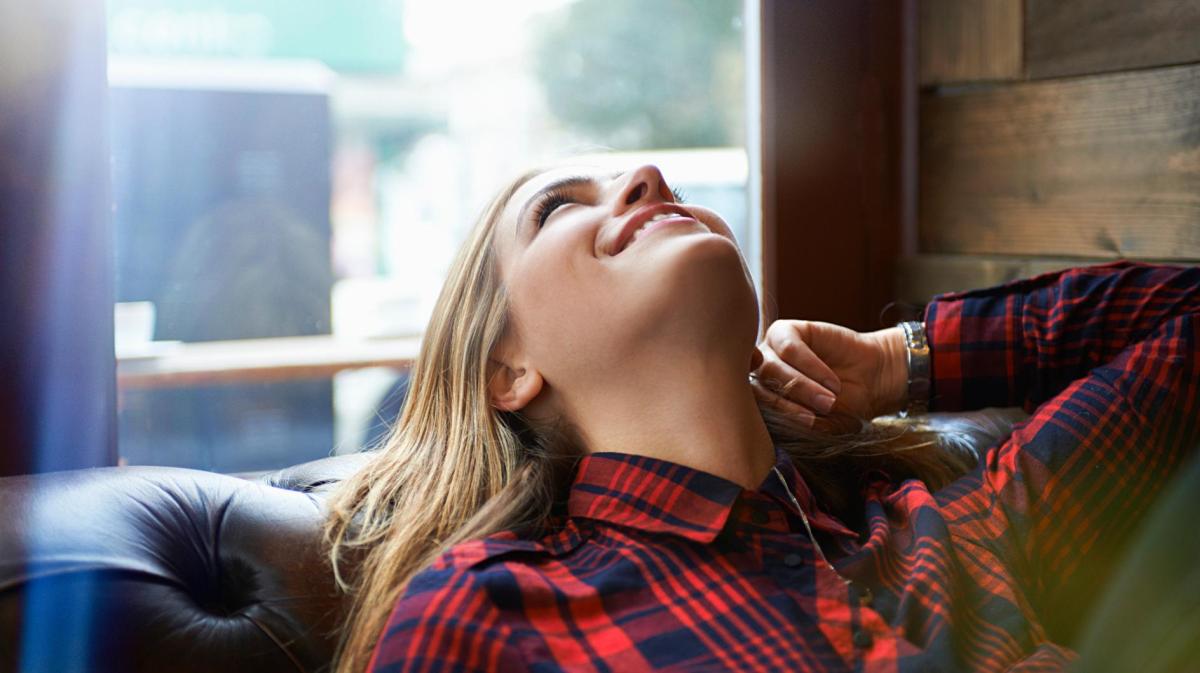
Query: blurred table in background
175	364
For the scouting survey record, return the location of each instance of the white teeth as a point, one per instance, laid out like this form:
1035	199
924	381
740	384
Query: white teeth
655	218
660	216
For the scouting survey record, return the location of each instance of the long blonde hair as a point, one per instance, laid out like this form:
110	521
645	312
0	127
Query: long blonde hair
455	468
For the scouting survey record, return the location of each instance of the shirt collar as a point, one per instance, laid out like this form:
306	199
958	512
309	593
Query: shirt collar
659	496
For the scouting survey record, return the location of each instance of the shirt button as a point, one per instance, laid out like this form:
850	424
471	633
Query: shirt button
863	639
792	560
862	594
758	516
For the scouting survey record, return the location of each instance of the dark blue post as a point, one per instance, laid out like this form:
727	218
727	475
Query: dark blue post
57	371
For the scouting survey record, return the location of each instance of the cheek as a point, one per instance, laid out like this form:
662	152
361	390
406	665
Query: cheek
712	220
563	304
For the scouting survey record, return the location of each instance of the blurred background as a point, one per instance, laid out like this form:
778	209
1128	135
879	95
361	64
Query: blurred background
284	170
252	203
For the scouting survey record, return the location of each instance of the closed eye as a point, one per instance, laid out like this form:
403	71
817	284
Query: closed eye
553	199
548	204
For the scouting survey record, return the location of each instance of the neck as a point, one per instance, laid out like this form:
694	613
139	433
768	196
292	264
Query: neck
703	415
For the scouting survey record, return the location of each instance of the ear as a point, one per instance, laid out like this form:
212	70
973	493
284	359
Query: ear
512	386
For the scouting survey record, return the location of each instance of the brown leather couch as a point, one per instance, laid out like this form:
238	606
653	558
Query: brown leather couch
166	569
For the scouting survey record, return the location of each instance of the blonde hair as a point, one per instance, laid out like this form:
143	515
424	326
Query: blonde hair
455	468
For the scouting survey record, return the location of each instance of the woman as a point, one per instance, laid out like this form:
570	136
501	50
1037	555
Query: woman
585	478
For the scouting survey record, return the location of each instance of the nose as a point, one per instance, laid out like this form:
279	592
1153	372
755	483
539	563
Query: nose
644	183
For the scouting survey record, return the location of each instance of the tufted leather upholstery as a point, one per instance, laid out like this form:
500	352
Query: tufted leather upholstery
166	569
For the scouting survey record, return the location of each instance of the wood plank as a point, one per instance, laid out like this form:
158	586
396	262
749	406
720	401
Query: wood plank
923	276
1105	167
969	40
1079	37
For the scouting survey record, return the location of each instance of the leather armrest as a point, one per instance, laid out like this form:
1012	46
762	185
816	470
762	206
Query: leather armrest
316	476
162	569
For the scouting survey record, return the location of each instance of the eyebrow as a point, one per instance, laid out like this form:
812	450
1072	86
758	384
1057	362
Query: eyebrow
563	183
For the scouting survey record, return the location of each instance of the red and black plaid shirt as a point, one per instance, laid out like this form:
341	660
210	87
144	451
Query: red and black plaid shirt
660	566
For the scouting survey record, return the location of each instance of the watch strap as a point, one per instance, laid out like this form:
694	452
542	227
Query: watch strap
919	383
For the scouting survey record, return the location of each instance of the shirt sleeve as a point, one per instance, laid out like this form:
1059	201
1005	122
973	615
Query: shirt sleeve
445	622
1105	359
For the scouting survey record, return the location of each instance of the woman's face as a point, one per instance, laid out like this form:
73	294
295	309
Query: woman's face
606	272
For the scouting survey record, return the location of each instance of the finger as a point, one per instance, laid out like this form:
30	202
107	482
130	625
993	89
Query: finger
784	405
779	402
783	379
794	385
791	343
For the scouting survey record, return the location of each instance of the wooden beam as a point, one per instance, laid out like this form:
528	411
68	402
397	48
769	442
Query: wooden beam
1103	167
1081	37
969	40
834	76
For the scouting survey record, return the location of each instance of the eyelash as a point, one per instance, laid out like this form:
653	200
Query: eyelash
547	205
555	199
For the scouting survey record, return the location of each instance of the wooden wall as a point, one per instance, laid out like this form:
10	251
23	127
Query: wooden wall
1053	133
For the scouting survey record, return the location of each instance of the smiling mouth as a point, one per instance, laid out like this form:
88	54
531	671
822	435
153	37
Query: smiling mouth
647	219
653	223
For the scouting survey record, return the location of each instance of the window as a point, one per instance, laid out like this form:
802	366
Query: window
291	182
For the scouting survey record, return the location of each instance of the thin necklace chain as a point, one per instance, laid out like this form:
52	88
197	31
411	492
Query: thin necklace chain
807	527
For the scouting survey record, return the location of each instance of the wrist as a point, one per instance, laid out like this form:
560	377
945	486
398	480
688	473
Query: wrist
892	393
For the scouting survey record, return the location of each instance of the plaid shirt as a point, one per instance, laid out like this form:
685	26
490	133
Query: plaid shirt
660	566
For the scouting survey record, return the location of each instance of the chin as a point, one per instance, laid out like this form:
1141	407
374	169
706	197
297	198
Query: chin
701	283
714	261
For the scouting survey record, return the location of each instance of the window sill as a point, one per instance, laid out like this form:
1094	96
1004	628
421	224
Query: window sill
260	360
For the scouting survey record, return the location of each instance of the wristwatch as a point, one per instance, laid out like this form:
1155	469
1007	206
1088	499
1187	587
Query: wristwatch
917	347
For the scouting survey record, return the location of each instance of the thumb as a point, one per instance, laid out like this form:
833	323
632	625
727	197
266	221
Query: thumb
823	337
